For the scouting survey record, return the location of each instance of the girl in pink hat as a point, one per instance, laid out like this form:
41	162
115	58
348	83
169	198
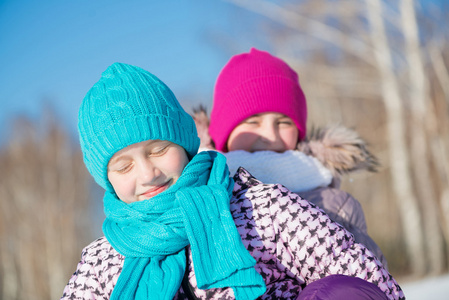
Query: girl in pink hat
258	121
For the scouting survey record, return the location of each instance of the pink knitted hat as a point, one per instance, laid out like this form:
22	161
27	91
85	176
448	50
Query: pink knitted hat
253	83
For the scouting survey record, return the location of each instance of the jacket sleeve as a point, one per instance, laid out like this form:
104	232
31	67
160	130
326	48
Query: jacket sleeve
313	246
84	283
96	273
342	208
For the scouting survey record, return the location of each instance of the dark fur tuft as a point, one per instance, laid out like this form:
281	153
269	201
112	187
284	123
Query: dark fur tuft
339	149
202	126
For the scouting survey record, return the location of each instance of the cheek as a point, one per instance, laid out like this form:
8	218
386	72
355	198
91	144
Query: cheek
123	187
176	164
241	139
240	142
290	138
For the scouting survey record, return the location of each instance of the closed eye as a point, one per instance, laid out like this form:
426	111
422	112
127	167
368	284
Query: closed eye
159	150
124	169
286	122
251	121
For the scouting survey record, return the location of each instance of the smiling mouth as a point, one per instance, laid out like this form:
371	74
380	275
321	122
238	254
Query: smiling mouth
156	190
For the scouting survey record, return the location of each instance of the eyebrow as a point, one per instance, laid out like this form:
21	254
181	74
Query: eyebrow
120	156
253	116
281	115
114	160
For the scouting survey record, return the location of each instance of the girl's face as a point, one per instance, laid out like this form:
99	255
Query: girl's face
267	131
143	170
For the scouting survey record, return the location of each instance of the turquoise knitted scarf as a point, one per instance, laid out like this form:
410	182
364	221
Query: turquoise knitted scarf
153	234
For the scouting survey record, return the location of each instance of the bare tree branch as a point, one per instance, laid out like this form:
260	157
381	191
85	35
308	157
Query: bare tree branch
320	30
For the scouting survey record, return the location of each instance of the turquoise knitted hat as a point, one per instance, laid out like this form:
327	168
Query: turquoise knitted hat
129	105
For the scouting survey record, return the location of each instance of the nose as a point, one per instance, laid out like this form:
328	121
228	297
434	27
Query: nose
269	133
270	136
148	172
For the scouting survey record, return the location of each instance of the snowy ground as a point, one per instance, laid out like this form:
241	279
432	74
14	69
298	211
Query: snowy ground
429	288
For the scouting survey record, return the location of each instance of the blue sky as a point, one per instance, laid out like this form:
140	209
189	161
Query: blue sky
54	51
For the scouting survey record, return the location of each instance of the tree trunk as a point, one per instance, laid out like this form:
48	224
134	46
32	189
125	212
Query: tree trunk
398	154
440	146
423	123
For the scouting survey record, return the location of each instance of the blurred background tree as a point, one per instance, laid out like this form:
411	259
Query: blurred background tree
45	218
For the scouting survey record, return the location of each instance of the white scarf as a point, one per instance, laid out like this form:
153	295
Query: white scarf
293	169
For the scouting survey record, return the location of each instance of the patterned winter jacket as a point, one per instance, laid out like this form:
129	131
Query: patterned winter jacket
341	207
342	151
293	241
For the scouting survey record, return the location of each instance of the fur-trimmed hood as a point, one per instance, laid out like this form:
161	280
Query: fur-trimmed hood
339	149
